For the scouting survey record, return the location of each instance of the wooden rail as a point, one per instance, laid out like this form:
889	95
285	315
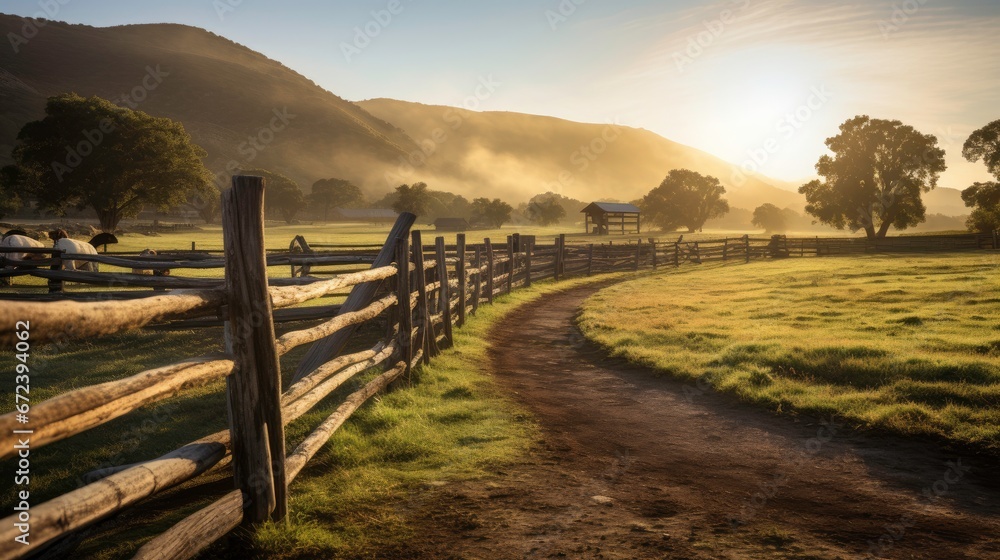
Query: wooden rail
421	293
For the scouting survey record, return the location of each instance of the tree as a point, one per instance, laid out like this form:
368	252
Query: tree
335	193
875	178
685	198
281	195
208	205
494	212
545	212
984	144
770	217
413	199
90	152
984	198
10	200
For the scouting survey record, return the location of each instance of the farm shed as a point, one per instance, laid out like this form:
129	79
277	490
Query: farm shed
451	224
370	215
611	217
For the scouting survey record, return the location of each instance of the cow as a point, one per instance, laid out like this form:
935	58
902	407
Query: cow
146	271
17	239
62	242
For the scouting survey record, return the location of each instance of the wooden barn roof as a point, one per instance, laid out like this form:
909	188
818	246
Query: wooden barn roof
612	207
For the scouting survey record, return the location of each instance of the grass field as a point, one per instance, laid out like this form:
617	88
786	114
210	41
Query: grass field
907	344
451	424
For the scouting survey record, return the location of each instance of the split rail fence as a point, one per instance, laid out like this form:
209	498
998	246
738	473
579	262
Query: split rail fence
420	292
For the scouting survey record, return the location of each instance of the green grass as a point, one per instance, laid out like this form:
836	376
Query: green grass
451	424
910	345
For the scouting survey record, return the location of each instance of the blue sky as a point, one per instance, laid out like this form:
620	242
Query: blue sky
757	82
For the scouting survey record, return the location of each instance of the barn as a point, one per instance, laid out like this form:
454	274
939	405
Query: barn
605	218
451	224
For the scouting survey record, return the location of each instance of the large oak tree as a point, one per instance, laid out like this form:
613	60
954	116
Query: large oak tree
335	193
687	199
91	152
282	195
875	177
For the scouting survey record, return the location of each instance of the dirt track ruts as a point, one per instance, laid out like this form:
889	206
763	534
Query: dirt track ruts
692	473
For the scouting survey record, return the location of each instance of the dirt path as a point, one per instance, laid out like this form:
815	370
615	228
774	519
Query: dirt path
634	466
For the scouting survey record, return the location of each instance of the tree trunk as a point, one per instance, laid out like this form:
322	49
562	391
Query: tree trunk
870	232
882	231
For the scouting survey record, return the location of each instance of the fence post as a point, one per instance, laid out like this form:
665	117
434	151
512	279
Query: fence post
725	249
477	288
405	315
55	284
462	281
638	254
511	264
528	247
746	246
254	388
488	247
590	260
562	255
425	331
653	245
994	239
677	254
445	289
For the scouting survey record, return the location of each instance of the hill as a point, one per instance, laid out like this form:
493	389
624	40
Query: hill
223	93
521	155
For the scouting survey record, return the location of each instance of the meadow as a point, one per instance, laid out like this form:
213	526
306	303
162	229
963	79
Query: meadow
905	344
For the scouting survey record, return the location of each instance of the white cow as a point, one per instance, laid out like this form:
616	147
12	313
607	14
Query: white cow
20	241
73	247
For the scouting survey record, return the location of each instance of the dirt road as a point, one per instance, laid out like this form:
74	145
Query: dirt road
635	466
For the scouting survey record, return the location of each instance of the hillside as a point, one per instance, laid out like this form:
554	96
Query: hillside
522	155
221	91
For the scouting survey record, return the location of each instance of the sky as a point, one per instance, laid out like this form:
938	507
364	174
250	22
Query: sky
760	83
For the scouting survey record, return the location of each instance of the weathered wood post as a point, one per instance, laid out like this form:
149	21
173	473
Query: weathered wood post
55	284
590	259
477	286
638	254
511	266
677	254
725	249
442	263
528	247
405	313
425	331
361	296
562	255
488	247
254	388
557	261
462	280
193	246
746	246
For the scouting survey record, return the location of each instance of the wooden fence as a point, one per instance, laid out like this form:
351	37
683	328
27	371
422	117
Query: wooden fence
421	291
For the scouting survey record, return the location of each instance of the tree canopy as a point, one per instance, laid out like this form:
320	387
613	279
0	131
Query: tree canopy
685	198
770	218
414	199
875	178
335	193
984	198
91	152
282	195
545	212
493	212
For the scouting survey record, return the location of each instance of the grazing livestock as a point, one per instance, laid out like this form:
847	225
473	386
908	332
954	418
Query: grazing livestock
17	239
73	247
146	271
